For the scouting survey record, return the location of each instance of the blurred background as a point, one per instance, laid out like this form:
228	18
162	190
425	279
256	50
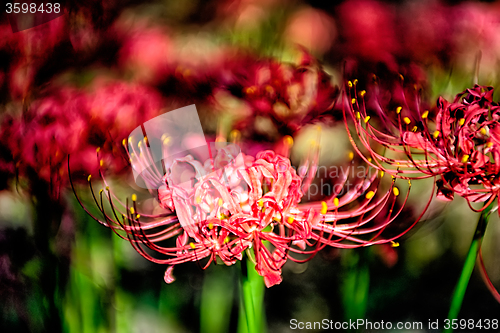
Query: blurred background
86	79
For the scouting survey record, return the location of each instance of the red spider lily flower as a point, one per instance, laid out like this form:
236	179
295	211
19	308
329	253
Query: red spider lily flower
146	52
289	95
460	146
368	29
250	205
71	121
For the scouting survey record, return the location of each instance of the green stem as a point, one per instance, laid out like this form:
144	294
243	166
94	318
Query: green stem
356	283
458	294
216	300
251	294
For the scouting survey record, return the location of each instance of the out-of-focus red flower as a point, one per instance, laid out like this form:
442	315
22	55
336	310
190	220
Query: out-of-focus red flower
368	31
477	32
38	41
28	50
70	121
289	95
147	52
427	32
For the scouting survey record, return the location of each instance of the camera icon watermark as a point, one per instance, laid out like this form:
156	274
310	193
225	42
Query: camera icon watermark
171	151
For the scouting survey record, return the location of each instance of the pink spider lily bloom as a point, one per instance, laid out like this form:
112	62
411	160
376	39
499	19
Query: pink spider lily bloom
251	205
228	211
459	146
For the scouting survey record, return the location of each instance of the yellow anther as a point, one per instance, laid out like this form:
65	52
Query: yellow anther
367	118
358	115
362	93
355	82
369	195
401	77
146	140
88	179
465	158
489	144
483	131
398	110
107	188
134	197
288	140
192	245
234	134
369	159
101	162
324	207
98	149
436	134
124	142
260	202
100	191
132	210
349	83
138	216
336	202
139	144
395	190
407	120
250	90
461	121
353	101
263	210
220	202
351	155
290	219
210	226
414	129
409	182
198	200
381	174
226	240
425	114
394	244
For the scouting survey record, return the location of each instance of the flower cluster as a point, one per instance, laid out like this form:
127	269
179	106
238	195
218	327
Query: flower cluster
289	95
70	121
458	144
